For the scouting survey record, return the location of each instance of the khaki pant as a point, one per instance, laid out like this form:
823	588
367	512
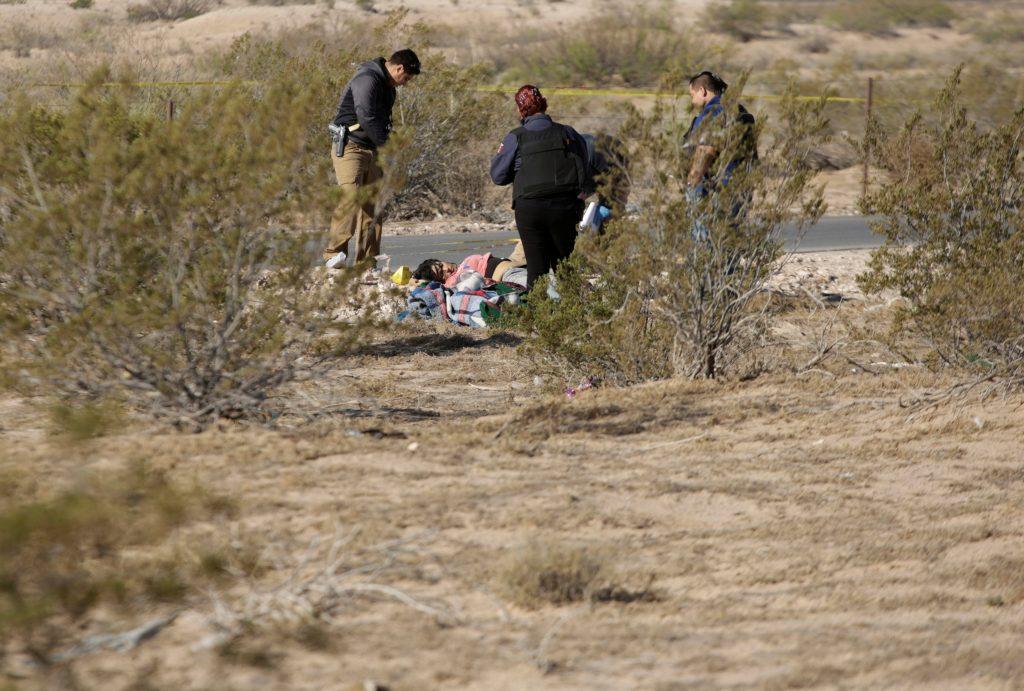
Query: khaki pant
358	174
518	256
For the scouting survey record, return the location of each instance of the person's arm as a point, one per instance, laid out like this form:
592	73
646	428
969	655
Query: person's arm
365	95
703	157
503	163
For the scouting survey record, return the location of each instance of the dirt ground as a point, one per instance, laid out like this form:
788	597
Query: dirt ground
794	530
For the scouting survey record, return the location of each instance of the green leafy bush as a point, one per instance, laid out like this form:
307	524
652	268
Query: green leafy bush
652	299
954	231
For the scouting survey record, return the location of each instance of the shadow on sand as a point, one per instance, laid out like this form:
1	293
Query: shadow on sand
438	344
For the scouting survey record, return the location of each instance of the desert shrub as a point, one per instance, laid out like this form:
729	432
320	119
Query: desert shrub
85	421
167	10
953	221
22	38
1002	28
651	298
882	16
81	4
817	44
62	556
445	129
742	19
162	264
551	573
632	47
281	3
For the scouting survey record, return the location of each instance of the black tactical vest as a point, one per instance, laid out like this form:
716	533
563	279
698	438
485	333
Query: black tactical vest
549	168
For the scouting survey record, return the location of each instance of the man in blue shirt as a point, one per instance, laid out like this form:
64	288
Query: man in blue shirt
708	135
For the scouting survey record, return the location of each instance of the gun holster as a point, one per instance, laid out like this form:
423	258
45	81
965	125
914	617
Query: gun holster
339	135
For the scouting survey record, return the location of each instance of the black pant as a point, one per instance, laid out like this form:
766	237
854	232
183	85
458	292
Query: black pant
548	232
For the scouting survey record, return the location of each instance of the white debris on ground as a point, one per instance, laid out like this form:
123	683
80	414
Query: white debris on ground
823	273
375	295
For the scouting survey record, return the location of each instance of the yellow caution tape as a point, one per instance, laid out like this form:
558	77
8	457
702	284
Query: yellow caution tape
556	91
143	85
640	93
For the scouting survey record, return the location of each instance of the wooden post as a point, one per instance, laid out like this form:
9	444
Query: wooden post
170	109
867	119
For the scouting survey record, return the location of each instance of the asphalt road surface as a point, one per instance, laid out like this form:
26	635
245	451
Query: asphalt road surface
831	233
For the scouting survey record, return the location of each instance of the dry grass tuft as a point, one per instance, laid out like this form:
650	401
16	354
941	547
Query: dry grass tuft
552	573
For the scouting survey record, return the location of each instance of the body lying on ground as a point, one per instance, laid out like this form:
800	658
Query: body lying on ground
471	293
491	268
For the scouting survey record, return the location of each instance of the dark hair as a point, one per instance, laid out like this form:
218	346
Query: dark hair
710	81
407	59
427	270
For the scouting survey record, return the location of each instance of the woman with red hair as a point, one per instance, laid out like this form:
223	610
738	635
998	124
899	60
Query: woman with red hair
545	162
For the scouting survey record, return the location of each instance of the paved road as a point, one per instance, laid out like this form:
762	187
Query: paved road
831	233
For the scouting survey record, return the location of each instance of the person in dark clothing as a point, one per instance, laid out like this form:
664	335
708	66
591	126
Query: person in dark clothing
364	112
709	131
545	162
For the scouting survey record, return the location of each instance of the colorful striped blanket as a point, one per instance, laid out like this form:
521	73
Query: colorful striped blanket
476	308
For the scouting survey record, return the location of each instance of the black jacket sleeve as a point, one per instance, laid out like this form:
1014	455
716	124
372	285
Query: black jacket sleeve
367	95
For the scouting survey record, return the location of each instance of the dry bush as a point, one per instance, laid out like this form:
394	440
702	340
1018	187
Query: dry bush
1004	27
652	298
62	556
817	44
954	233
744	20
635	47
543	572
881	16
549	573
167	10
22	38
86	421
327	581
158	263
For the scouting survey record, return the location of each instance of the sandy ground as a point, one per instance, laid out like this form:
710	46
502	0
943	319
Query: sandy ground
830	274
790	531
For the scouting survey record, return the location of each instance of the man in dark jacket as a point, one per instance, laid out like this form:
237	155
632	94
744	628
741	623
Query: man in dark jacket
708	135
365	112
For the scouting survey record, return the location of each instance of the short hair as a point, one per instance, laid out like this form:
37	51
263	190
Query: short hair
428	270
407	59
710	81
